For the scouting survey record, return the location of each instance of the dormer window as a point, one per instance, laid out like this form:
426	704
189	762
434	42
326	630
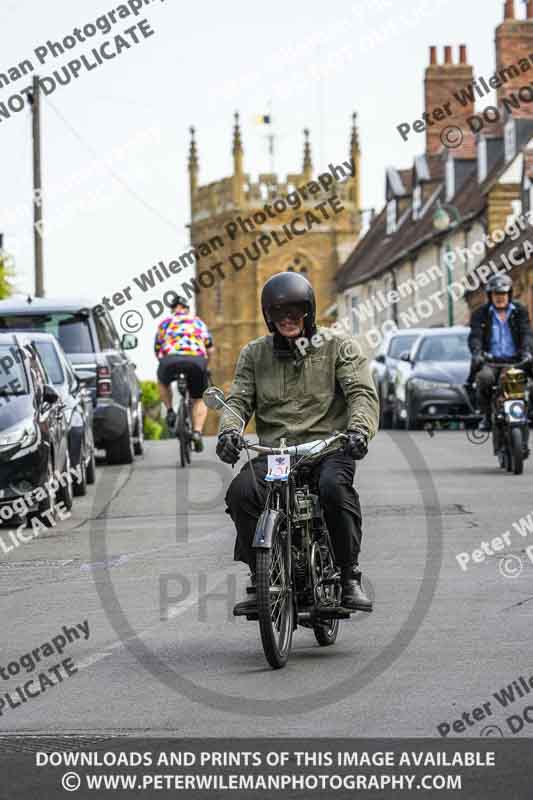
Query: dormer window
482	160
391	216
417	200
510	139
450	179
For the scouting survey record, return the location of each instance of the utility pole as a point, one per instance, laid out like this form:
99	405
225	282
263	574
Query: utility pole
35	104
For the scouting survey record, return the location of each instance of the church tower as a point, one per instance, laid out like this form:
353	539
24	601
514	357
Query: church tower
226	220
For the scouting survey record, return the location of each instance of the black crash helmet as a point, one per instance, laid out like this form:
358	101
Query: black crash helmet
499	283
285	288
178	300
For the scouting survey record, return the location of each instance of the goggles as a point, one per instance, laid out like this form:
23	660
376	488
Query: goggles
292	311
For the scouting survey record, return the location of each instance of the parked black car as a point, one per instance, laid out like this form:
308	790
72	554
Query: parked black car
78	407
88	336
435	388
33	435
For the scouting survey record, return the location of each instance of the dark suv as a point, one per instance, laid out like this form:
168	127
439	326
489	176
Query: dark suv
88	336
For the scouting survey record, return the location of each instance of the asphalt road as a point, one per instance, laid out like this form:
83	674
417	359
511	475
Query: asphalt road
147	545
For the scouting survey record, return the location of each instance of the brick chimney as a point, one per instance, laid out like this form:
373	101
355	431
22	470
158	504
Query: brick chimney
514	41
441	81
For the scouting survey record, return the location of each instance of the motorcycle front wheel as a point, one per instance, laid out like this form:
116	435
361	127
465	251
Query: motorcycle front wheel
516	451
274	599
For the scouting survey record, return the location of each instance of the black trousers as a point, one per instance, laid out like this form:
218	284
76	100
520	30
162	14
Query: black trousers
334	475
485	380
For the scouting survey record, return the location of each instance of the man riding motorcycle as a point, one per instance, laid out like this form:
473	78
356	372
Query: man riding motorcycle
301	398
183	344
500	327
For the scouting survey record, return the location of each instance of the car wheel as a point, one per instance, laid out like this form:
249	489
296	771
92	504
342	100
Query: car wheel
64	492
91	468
138	446
47	511
398	423
411	422
79	486
121	450
386	418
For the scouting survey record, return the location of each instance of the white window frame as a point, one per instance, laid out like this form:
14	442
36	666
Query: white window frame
417	200
391	216
354	319
510	139
482	160
450	178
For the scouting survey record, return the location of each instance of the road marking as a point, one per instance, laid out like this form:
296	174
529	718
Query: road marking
174	611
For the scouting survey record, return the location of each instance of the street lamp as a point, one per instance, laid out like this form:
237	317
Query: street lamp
442	221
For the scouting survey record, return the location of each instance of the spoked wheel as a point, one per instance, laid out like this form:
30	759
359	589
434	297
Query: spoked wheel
184	435
517	452
274	600
323	569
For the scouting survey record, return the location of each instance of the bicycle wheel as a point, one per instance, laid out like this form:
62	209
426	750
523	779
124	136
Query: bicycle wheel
274	599
181	433
326	590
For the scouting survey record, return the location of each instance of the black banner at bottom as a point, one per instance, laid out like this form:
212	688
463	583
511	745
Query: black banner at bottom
214	769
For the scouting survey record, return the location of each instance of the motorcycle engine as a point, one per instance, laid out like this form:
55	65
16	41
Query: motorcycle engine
513	384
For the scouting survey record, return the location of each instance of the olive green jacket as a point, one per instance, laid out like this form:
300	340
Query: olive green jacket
303	398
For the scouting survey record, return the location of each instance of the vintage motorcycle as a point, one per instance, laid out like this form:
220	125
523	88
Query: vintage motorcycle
509	415
297	582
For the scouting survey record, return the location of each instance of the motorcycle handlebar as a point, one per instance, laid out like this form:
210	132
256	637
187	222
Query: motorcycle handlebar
495	362
306	448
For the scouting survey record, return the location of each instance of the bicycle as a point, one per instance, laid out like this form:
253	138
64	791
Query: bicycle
297	582
184	420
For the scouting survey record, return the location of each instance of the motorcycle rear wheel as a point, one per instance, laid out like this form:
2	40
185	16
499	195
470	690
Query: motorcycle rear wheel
274	600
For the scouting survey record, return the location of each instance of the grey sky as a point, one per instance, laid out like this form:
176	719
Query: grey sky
110	221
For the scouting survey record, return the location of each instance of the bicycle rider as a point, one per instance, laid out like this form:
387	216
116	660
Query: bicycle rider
183	344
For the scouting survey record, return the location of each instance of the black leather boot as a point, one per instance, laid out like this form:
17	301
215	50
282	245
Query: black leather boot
353	595
249	606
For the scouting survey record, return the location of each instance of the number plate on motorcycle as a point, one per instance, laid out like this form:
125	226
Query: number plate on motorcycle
278	468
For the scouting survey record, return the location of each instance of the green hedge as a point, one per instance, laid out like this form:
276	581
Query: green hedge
154	426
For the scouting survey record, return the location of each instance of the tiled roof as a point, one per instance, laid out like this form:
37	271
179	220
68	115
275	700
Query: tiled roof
377	251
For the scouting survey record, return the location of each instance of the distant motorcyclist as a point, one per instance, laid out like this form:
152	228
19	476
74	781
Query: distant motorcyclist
500	327
183	344
301	398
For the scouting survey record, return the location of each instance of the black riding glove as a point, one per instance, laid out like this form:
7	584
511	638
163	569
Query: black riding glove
357	445
229	446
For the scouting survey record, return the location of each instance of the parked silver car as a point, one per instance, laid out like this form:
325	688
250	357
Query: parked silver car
385	367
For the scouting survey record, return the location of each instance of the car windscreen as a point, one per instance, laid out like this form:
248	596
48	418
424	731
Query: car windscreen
71	330
51	361
12	374
449	347
401	344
